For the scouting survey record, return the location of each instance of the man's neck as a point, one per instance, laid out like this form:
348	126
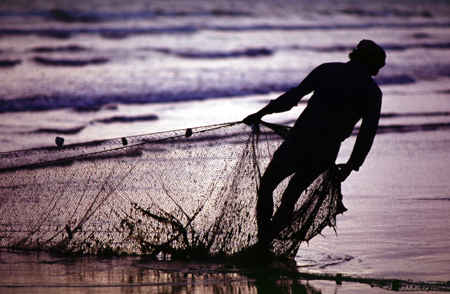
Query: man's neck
360	67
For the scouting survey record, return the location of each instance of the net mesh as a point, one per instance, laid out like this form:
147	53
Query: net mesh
186	192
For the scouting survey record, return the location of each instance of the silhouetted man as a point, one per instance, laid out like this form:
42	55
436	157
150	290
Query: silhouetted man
343	93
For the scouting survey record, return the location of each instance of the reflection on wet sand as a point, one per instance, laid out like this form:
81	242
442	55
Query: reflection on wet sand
45	273
40	272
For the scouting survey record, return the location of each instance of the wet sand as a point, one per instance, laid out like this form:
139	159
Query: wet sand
44	273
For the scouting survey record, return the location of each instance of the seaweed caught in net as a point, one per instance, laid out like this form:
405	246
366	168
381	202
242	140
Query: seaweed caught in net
189	192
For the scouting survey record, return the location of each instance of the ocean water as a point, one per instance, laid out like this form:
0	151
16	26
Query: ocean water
92	70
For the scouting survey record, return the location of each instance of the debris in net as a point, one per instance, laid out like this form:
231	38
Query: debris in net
59	141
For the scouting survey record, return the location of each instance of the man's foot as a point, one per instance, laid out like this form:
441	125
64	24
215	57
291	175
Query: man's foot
265	233
257	254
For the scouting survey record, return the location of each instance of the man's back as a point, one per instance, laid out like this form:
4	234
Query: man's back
343	94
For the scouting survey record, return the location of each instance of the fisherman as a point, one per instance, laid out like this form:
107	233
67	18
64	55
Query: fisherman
343	93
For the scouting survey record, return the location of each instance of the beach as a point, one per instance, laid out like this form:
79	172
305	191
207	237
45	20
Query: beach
95	71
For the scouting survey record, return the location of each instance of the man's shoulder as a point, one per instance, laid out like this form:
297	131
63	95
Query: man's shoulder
329	68
334	63
331	65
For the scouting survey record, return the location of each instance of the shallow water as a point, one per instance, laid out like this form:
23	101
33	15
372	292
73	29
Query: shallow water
398	211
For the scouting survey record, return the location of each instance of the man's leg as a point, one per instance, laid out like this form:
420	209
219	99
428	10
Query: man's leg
298	183
277	170
307	171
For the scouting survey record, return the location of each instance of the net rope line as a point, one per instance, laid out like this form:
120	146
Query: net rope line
197	195
210	127
204	129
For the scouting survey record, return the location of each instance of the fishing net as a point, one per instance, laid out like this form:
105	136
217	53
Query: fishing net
189	192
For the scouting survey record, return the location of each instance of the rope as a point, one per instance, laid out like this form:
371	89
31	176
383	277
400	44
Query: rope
188	133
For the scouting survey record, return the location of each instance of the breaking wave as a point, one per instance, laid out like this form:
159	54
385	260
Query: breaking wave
414	114
386	12
400	79
68	48
10	62
249	52
69	131
95	102
411	128
386	46
107	120
70	62
124	119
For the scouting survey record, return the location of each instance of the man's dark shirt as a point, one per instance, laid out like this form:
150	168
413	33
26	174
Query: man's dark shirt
343	94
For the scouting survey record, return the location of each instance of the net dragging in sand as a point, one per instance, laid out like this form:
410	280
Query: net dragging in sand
189	192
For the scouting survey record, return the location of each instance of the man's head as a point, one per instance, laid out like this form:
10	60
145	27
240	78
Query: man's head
370	54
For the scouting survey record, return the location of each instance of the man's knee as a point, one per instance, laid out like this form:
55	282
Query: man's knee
273	177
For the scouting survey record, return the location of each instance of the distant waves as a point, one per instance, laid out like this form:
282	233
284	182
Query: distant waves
9	62
106	120
266	51
60	101
194	28
77	16
385	128
68	48
95	102
386	46
217	54
70	62
382	129
403	128
75	62
163	11
247	52
59	131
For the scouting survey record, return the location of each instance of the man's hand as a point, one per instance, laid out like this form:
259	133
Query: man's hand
344	171
252	119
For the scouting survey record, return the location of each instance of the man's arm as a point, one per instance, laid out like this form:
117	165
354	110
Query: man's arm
366	135
287	100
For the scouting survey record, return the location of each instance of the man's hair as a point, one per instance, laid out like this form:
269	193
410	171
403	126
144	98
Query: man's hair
368	52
